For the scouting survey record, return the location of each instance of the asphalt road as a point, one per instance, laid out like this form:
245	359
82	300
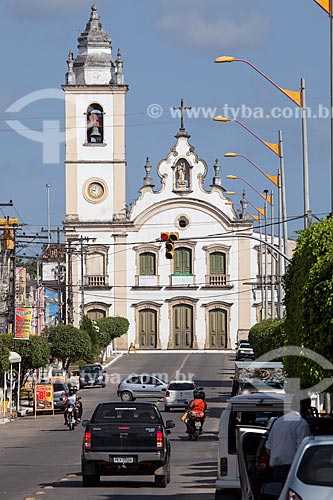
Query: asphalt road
40	458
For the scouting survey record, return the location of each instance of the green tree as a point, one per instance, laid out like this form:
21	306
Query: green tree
30	266
6	345
69	344
35	353
308	300
109	329
267	335
92	329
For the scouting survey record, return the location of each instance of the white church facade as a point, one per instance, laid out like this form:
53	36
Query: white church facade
205	297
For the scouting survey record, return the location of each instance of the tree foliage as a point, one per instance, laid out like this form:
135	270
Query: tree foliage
69	344
267	335
35	353
92	329
308	299
6	345
111	328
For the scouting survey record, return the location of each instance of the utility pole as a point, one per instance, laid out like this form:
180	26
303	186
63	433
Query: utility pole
70	313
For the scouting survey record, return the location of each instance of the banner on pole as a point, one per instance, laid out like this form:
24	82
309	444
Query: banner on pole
23	316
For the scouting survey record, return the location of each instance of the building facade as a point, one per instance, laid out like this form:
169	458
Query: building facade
202	298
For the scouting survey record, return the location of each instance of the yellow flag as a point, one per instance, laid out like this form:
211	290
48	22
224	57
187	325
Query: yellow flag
324	4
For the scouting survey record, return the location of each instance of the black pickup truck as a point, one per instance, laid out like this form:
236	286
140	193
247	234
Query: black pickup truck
126	439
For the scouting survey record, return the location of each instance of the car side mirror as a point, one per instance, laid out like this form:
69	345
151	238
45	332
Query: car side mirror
271	491
85	423
104	371
170	424
164	389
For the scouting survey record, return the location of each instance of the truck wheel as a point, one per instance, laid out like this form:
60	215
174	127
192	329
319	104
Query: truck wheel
90	480
126	396
161	481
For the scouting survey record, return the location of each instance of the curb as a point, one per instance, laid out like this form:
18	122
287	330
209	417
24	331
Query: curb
119	355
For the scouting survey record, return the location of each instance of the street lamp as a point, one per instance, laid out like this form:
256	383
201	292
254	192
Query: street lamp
258	209
275	179
298	97
327	5
266	197
278	150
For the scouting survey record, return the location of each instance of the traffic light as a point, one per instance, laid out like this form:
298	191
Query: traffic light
170	245
9	232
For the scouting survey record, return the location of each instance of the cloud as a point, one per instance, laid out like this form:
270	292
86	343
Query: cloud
44	9
198	30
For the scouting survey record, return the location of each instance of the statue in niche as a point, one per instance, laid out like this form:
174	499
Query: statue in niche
181	172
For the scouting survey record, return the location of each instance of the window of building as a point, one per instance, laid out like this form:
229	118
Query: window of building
147	264
96	269
183	261
95	128
96	314
217	263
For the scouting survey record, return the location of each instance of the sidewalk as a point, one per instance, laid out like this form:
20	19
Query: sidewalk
26	408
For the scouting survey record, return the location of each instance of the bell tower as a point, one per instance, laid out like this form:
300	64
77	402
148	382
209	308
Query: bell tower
95	130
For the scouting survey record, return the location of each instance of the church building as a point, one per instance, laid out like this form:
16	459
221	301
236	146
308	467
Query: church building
204	296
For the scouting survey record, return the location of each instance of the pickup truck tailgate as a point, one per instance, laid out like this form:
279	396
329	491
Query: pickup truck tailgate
124	437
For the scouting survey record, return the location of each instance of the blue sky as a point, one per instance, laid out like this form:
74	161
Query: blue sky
168	48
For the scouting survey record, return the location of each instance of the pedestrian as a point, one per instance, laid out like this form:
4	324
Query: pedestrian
131	348
285	436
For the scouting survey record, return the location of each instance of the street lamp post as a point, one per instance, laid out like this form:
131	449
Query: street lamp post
298	97
327	6
278	150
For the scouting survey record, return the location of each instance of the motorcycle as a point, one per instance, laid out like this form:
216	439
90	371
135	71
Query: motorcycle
194	425
70	417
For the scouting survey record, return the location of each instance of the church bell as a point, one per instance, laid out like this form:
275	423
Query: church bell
95	133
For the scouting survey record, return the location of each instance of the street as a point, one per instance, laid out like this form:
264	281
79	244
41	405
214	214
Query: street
42	457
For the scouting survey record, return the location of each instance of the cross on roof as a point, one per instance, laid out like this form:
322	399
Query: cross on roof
182	109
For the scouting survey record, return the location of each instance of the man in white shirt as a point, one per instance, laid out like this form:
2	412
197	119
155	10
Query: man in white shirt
284	438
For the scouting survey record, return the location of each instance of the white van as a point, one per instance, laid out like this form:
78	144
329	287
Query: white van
252	409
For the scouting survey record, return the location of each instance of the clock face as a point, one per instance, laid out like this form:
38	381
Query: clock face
95	190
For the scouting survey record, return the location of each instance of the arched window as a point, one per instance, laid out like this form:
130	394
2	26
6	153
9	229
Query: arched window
95	128
96	269
96	314
217	263
183	261
147	264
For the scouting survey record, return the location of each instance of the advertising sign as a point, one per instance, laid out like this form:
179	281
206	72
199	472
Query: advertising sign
23	317
44	398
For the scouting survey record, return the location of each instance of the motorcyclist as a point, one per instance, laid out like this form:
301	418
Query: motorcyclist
72	398
197	408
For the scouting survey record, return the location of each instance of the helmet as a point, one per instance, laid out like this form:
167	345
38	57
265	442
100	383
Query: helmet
198	394
71	390
201	395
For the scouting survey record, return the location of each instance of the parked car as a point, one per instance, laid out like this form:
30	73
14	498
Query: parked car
310	476
92	375
141	386
60	389
126	439
179	393
244	350
256	409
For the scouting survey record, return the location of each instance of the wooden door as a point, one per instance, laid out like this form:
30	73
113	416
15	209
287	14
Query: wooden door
217	329
183	326
148	329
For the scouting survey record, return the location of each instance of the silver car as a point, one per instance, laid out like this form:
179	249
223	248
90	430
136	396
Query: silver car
141	386
310	476
179	394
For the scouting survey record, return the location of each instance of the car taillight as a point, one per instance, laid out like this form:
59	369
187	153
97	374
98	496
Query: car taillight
167	394
291	495
87	441
159	440
262	461
224	466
